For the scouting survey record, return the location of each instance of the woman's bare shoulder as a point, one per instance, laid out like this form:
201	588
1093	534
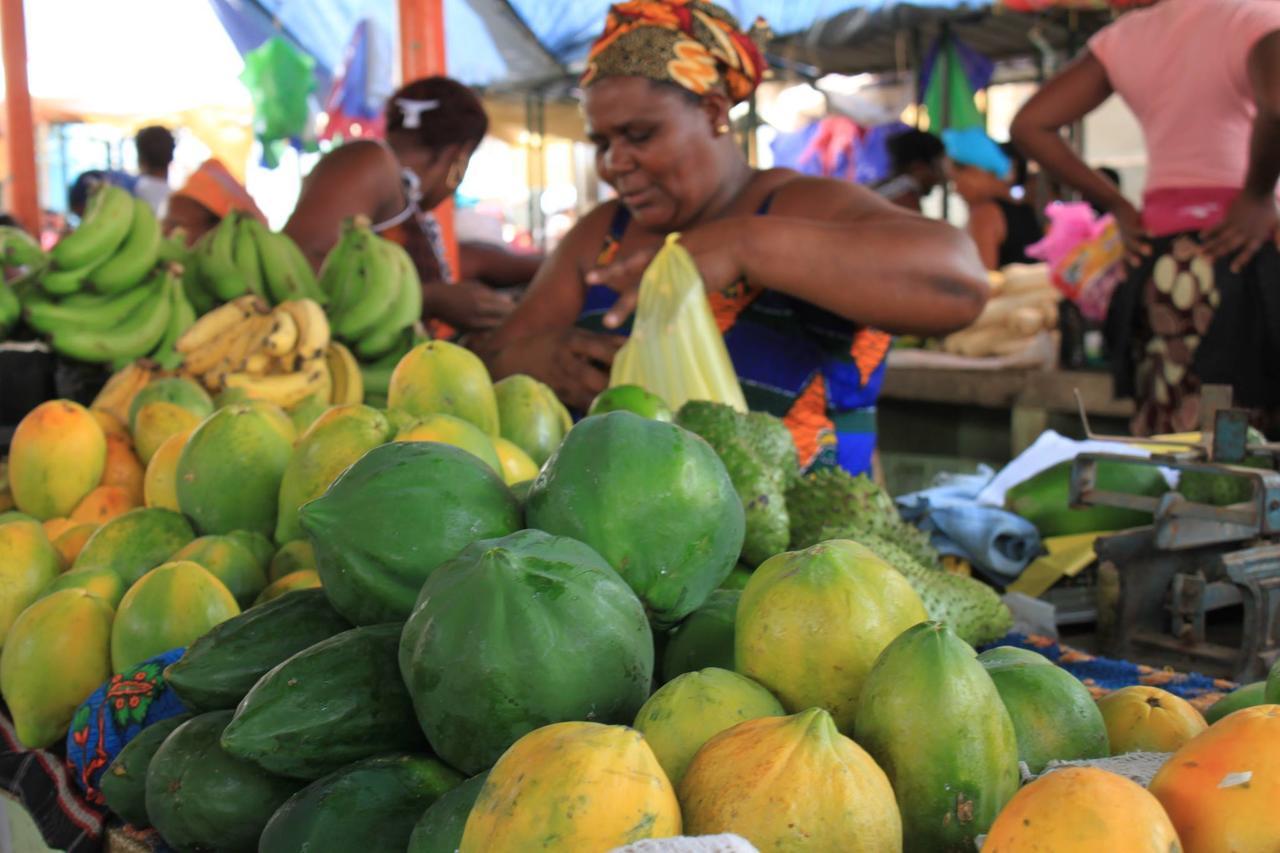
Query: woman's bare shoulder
359	156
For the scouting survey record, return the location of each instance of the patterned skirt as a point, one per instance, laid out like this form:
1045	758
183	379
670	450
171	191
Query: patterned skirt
1181	322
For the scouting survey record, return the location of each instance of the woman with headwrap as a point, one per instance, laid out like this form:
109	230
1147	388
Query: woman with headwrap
801	271
1203	302
208	195
433	127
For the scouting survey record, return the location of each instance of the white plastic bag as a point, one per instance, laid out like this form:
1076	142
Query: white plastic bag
676	350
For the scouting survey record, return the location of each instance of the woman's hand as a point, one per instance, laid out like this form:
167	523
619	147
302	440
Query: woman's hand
1250	222
574	362
466	305
712	247
1133	234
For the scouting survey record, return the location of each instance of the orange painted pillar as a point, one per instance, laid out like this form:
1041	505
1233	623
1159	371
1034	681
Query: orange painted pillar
20	133
422	54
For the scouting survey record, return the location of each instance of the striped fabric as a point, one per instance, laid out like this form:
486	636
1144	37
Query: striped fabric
818	372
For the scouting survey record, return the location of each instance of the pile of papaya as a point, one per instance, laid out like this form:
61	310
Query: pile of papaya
460	621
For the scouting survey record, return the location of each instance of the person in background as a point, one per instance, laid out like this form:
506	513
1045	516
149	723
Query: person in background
155	146
1001	223
433	127
1203	303
208	195
78	192
919	163
806	275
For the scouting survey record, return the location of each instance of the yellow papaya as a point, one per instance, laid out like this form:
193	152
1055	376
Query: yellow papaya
301	579
438	377
811	623
230	562
156	422
169	607
692	708
336	440
791	783
55	527
1082	810
160	483
56	655
56	457
447	429
28	562
101	582
573	786
517	467
530	416
123	467
134	543
111	425
1141	718
72	541
294	556
101	505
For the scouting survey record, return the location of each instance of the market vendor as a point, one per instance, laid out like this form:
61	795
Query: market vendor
992	181
1204	82
208	195
433	128
802	272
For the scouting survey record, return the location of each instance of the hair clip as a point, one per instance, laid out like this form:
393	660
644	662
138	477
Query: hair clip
413	111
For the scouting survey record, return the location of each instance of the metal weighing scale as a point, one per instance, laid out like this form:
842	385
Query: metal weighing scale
1157	585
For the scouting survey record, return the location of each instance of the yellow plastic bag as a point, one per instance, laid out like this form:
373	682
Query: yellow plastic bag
676	350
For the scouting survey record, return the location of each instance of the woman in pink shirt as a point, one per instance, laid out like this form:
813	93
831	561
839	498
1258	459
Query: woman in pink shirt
1203	305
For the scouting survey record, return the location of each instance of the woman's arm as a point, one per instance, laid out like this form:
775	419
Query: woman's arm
988	229
360	178
841	247
1078	90
1251	221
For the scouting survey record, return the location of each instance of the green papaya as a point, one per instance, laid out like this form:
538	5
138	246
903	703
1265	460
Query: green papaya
1043	499
705	638
1245	696
932	718
737	578
1054	715
135	543
293	723
439	830
217	670
489	652
202	799
231	562
392	517
530	416
654	499
124	785
1272	693
370	805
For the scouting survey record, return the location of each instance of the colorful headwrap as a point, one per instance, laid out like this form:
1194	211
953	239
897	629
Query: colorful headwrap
692	43
214	187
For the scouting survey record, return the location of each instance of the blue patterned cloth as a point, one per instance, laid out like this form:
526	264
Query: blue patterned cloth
115	713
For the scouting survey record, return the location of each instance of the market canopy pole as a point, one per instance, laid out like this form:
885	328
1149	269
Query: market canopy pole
422	54
24	201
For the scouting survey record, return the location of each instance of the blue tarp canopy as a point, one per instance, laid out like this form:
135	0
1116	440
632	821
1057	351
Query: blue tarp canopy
523	43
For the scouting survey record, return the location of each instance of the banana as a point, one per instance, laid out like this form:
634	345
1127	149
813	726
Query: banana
405	310
107	218
286	389
217	262
117	395
136	255
213	326
131	339
173	246
10	308
284	336
378	283
309	287
194	290
344	371
313	327
87	311
19	250
258	364
277	270
228	352
181	317
341	266
57	282
245	253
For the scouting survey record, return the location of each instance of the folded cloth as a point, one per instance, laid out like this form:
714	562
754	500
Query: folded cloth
701	844
997	543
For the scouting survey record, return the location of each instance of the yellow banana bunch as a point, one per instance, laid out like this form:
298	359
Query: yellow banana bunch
117	395
279	354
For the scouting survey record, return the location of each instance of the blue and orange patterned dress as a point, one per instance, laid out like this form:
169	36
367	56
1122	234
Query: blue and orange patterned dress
818	372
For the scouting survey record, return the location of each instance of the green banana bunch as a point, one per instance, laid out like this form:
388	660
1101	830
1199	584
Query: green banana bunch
200	299
370	293
284	268
135	257
245	252
405	308
138	334
182	316
88	311
107	218
173	248
10	309
215	259
19	250
338	273
60	282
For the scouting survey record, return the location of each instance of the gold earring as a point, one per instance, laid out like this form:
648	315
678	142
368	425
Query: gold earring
456	171
722	129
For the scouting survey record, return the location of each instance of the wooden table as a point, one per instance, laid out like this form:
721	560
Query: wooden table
1030	396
